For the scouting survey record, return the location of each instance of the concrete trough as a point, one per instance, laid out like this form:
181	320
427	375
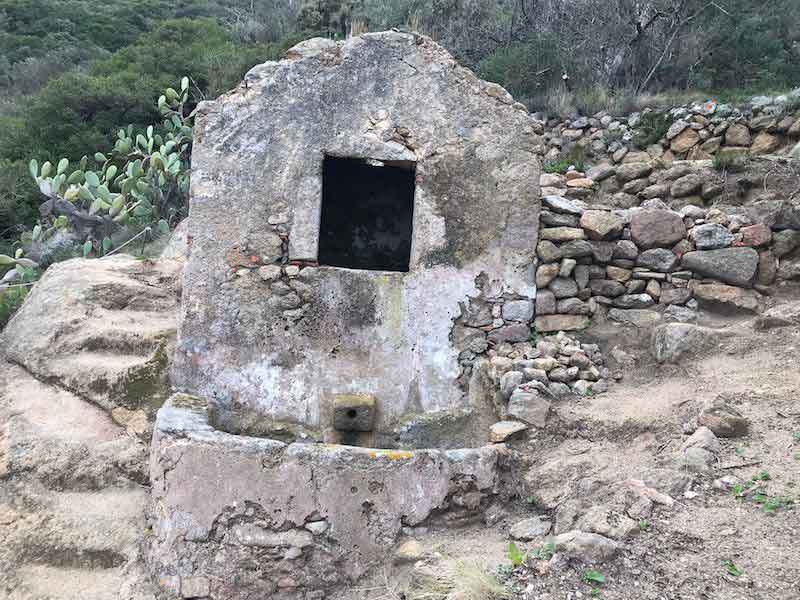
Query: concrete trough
241	517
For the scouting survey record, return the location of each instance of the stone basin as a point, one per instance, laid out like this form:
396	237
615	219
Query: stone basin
234	516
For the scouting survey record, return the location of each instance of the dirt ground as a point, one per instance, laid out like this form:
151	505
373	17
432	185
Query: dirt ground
710	544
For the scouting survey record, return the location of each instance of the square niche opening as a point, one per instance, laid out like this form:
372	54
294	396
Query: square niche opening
367	210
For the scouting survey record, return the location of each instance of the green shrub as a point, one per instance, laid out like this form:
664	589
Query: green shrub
10	300
652	127
574	157
529	70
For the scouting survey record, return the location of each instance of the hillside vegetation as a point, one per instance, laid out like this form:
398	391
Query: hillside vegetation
73	72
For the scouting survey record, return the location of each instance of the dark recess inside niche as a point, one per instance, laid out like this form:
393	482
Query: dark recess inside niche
367	210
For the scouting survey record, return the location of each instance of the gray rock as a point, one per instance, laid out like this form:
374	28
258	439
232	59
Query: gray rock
562	234
606	287
686	185
635	317
601	172
586	547
673	341
518	310
785	242
651	228
631	171
737	266
559	390
679	314
562	205
723	419
676	128
509	382
545	302
695	460
626	250
572	306
552	323
703	438
530	529
548	251
576	249
529	407
117	304
553	219
601	224
658	259
602	251
633	301
563	287
567	265
562	375
503	430
518	332
711	236
677	295
581	275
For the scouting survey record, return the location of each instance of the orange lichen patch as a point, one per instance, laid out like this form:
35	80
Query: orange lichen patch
392	454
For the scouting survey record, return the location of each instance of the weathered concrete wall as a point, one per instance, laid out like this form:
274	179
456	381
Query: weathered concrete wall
276	343
242	517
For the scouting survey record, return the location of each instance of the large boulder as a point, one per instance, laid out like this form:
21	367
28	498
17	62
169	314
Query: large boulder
727	297
651	228
102	328
737	266
673	341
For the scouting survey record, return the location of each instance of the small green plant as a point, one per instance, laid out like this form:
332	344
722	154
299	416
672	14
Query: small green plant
530	501
643	525
796	436
732	569
545	552
594	577
575	157
652	127
516	556
762	476
773	505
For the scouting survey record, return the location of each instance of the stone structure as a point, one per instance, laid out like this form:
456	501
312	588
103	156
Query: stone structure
287	306
633	264
244	517
362	228
695	131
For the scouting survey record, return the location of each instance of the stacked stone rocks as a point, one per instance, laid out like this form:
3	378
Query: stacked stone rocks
615	261
530	376
698	131
492	318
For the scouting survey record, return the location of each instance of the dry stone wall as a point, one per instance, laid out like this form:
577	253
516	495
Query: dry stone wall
696	131
600	259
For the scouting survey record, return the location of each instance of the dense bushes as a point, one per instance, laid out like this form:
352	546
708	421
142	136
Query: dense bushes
73	71
79	111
